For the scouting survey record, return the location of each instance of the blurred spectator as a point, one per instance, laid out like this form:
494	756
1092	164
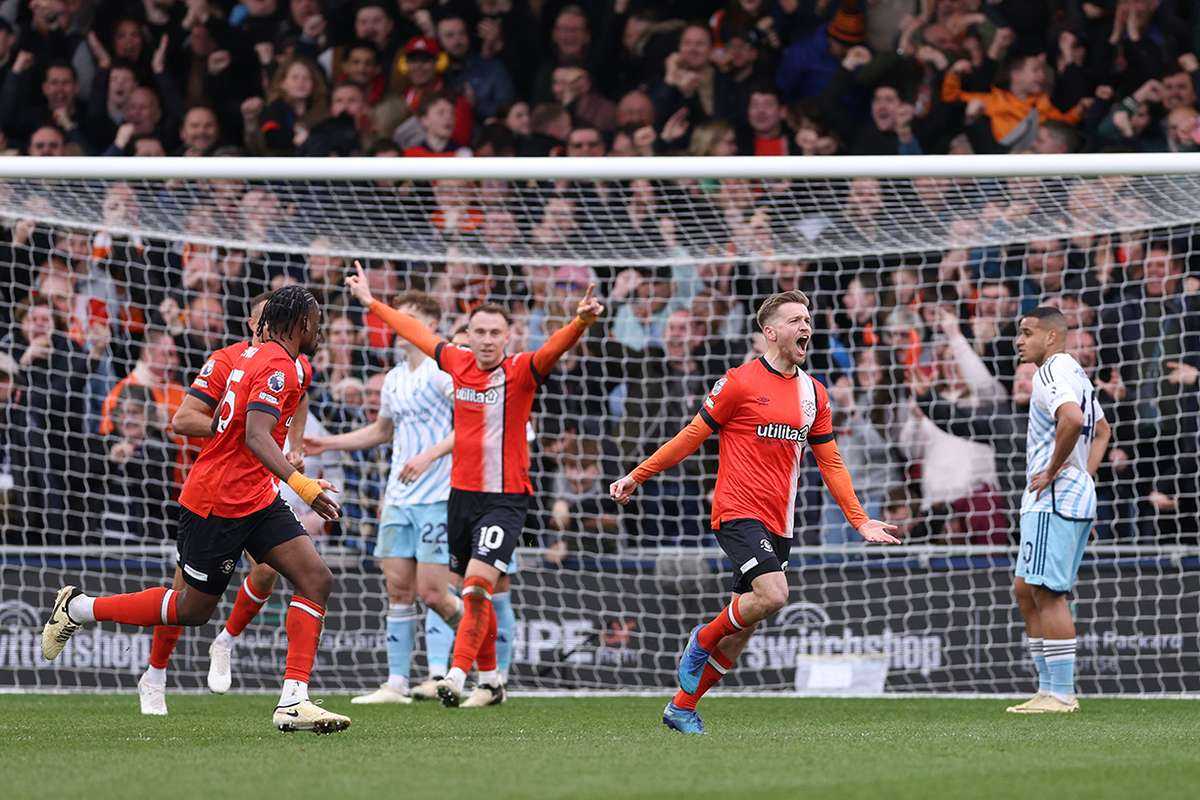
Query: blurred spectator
54	375
570	46
485	78
1016	110
861	424
550	124
138	465
1153	325
766	133
689	79
47	140
641	300
156	370
422	63
808	64
296	101
200	131
572	89
582	517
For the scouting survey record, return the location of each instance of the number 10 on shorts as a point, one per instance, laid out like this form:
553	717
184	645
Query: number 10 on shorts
491	537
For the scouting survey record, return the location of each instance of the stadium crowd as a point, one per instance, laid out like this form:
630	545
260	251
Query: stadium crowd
104	331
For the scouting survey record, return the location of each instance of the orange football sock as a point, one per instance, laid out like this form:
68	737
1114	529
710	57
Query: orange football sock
718	664
477	622
303	625
149	607
245	608
728	622
162	644
486	658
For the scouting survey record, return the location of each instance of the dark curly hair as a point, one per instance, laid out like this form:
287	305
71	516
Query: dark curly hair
286	309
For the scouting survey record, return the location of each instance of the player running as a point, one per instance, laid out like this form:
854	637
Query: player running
766	412
489	478
1066	441
415	413
230	502
193	419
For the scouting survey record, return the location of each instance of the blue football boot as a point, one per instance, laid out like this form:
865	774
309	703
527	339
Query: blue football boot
691	663
682	720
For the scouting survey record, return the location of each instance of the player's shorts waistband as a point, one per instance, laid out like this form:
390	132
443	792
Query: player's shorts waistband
489	495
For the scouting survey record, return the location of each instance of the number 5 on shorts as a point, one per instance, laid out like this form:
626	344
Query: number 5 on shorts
491	537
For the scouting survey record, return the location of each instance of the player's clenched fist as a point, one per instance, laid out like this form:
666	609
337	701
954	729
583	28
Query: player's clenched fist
623	489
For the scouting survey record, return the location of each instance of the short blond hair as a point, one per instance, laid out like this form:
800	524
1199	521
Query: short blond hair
770	306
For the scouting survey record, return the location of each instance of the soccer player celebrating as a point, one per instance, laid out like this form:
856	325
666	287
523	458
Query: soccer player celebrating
193	419
766	412
415	414
230	502
1066	441
489	479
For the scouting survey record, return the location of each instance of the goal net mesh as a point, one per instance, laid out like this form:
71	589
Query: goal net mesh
113	294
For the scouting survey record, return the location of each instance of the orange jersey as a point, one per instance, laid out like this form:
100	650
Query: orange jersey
227	479
209	385
765	420
492	407
491	410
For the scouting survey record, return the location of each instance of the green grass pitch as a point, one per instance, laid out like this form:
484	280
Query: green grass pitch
98	747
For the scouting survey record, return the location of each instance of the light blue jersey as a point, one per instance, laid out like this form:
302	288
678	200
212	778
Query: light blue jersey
1061	380
419	402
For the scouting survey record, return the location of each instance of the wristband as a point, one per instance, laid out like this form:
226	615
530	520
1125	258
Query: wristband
308	488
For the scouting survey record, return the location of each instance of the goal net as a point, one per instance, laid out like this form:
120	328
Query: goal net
120	277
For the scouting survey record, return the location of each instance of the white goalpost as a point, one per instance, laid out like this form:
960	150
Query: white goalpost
917	268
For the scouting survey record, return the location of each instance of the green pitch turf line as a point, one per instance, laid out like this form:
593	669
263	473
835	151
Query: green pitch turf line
98	747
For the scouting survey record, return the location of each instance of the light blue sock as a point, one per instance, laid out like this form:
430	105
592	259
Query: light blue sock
439	638
1060	662
506	627
1037	652
401	627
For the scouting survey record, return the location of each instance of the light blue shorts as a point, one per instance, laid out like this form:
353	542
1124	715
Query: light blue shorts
416	531
1051	549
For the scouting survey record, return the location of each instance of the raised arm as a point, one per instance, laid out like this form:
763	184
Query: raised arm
565	337
407	326
682	445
